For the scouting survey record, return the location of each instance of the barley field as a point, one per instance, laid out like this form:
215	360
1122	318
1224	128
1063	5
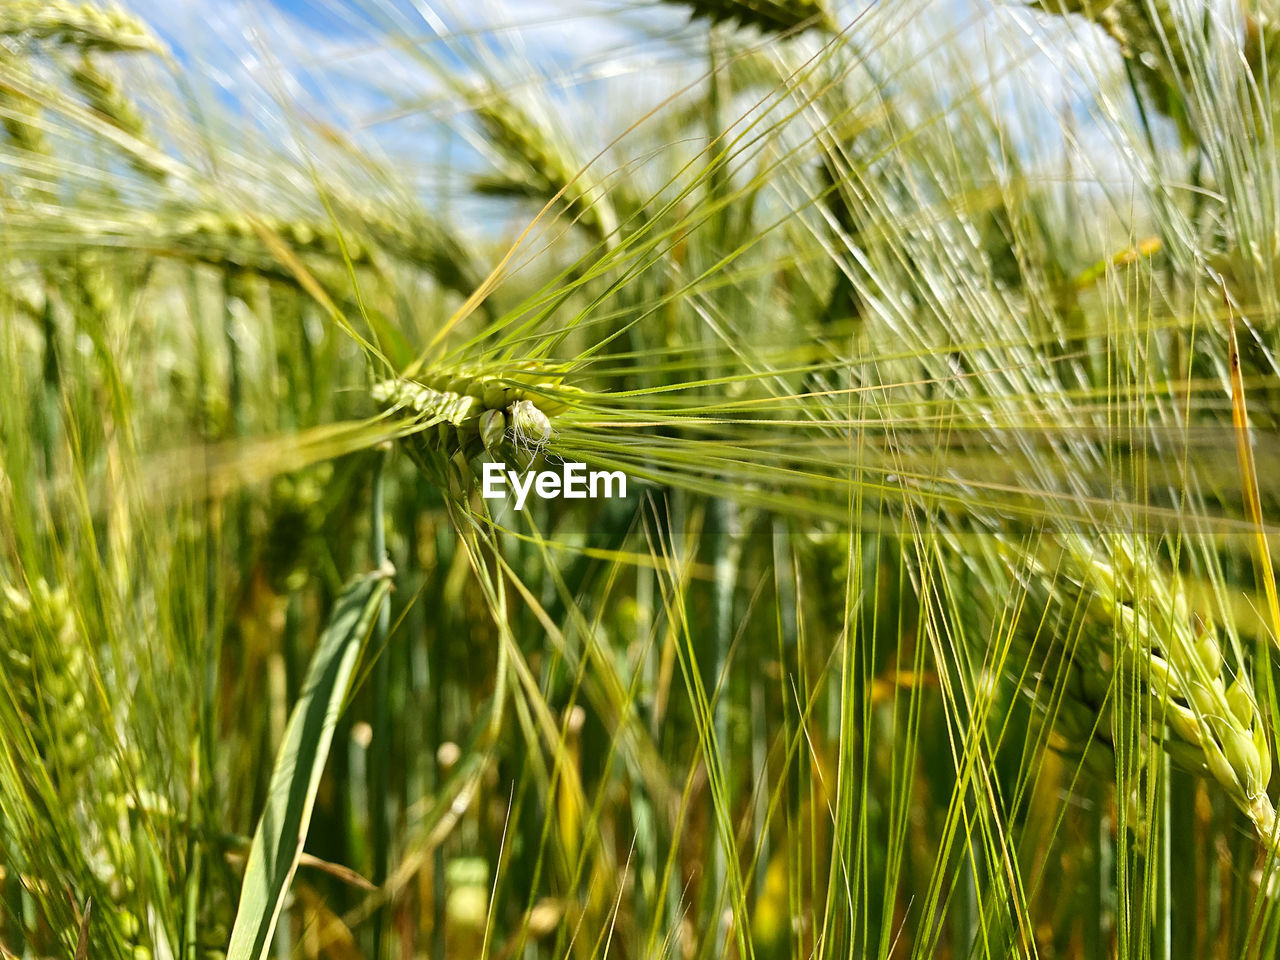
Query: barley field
639	479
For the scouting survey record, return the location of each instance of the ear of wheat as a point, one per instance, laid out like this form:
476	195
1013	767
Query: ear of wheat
770	16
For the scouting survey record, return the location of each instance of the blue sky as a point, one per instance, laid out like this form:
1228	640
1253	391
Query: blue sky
336	54
315	14
269	62
364	66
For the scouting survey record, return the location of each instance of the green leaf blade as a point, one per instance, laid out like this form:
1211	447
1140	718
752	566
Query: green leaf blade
282	829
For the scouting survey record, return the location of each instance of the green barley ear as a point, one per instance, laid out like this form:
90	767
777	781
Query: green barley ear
453	416
369	239
1179	664
413	237
19	116
83	25
1117	620
105	97
770	16
540	167
1150	39
45	666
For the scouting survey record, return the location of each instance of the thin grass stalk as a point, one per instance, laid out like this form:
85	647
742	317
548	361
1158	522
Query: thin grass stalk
1188	887
195	869
1164	846
357	809
1095	933
209	649
722	535
380	809
723	546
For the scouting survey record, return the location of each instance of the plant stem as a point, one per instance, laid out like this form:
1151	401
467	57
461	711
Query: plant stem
380	747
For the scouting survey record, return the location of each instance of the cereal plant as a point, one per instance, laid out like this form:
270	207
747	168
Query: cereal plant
882	399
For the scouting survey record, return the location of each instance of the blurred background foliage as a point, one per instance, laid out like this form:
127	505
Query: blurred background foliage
938	342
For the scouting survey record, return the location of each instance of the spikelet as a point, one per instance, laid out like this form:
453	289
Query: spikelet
82	25
770	16
458	415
